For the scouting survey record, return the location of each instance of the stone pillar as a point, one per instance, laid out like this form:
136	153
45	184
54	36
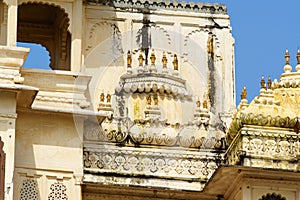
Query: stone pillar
11	95
76	36
12	20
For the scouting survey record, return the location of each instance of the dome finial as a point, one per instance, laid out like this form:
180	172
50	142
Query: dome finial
263	83
108	98
287	57
244	93
102	97
149	100
198	103
269	83
141	59
129	59
175	62
287	68
298	61
152	57
298	56
164	60
205	104
156	100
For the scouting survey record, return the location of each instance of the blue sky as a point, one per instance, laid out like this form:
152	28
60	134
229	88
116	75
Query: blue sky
262	31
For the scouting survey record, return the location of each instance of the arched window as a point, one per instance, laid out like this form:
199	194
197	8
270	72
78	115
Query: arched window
272	196
46	25
38	56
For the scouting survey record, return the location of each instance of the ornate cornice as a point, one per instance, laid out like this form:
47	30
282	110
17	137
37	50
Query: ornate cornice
243	119
162	4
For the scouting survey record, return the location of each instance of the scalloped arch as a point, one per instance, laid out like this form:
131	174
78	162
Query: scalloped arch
63	8
46	24
91	34
204	30
165	32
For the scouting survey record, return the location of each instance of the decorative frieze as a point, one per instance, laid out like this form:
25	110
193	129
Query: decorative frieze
166	5
182	165
269	148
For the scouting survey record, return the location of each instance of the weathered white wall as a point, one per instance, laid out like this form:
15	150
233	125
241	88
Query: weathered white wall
48	150
110	34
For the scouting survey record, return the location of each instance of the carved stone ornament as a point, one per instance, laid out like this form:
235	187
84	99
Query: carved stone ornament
174	5
148	163
29	190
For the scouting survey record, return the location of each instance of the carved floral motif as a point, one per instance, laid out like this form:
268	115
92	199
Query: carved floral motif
149	163
172	5
261	148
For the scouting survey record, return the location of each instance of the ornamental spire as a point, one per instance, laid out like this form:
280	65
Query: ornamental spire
175	62
198	103
155	100
287	68
287	57
149	100
205	104
244	93
298	56
152	57
269	83
129	59
102	97
263	83
141	59
108	98
164	60
298	61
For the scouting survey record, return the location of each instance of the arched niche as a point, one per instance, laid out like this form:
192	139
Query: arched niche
46	25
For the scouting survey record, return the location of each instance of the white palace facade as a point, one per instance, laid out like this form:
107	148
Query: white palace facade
139	104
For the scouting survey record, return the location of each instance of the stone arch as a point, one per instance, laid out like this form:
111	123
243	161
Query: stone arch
46	24
107	32
189	36
189	42
272	196
158	37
